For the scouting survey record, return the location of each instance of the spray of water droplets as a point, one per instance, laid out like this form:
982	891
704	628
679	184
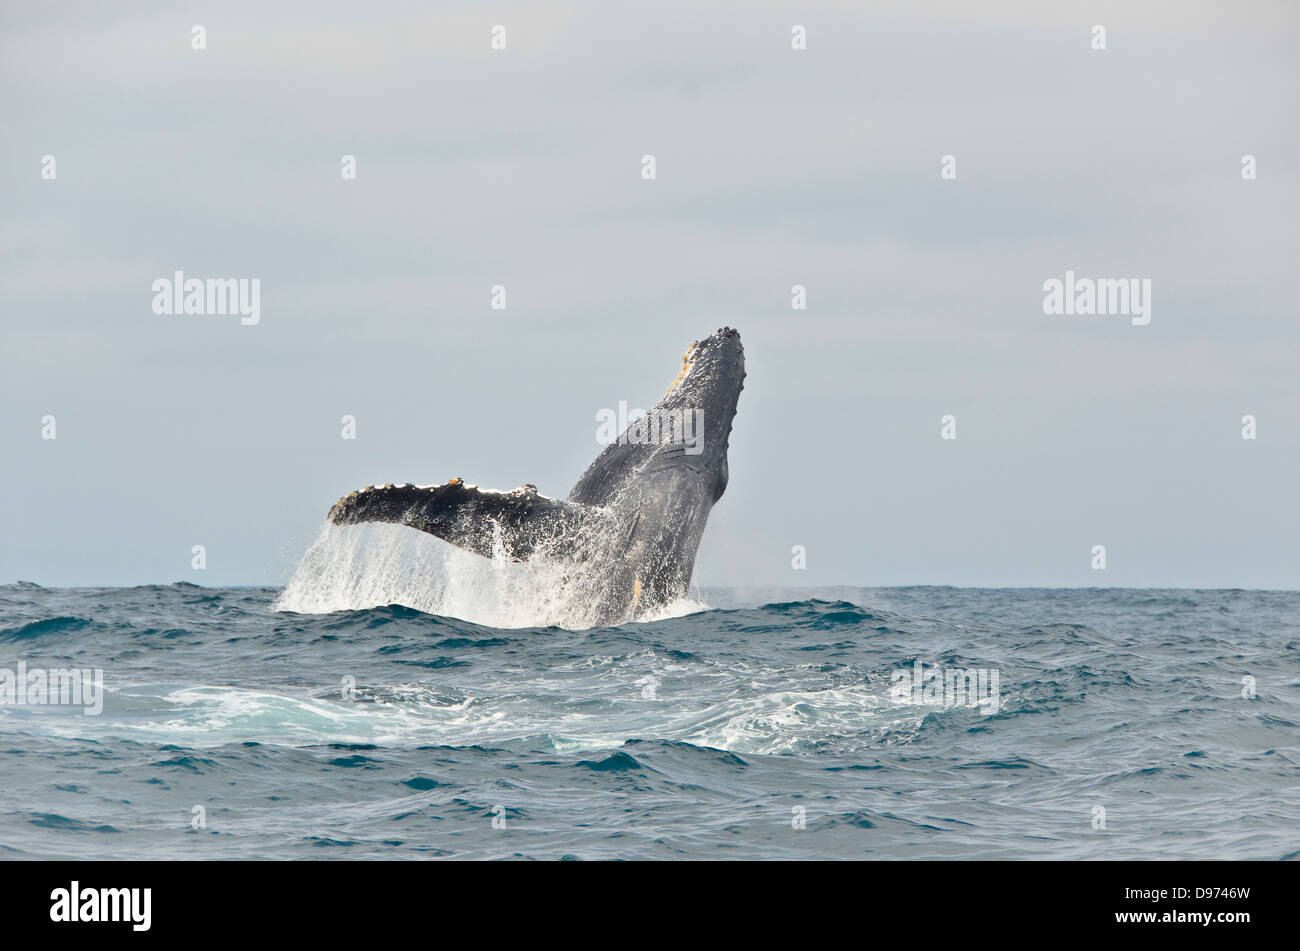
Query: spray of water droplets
353	567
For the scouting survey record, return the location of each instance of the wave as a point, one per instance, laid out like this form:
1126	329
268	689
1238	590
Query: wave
34	629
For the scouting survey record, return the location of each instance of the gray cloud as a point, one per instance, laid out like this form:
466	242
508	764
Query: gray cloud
775	167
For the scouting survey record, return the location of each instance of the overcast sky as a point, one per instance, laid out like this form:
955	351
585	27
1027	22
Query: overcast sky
774	167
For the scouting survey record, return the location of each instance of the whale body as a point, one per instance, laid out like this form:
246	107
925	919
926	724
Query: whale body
626	537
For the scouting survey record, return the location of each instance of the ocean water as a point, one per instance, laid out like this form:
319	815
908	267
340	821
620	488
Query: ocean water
755	724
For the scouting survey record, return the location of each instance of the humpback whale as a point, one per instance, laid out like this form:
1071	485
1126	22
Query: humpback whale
625	539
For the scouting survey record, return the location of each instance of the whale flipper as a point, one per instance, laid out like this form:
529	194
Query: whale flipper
483	521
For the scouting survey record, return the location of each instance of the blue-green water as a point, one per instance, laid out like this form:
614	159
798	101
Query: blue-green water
764	727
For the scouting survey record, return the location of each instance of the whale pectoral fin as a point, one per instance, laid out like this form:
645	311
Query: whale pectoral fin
484	521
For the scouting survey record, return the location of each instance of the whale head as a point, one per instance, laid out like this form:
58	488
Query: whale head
682	438
706	393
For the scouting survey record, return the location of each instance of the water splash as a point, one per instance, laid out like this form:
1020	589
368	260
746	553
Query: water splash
353	567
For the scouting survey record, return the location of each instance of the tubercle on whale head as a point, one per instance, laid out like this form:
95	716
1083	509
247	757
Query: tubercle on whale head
686	365
722	346
712	368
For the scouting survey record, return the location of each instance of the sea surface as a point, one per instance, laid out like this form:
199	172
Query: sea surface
764	725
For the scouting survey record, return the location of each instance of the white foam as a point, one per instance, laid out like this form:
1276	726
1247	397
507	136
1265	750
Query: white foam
353	567
549	707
